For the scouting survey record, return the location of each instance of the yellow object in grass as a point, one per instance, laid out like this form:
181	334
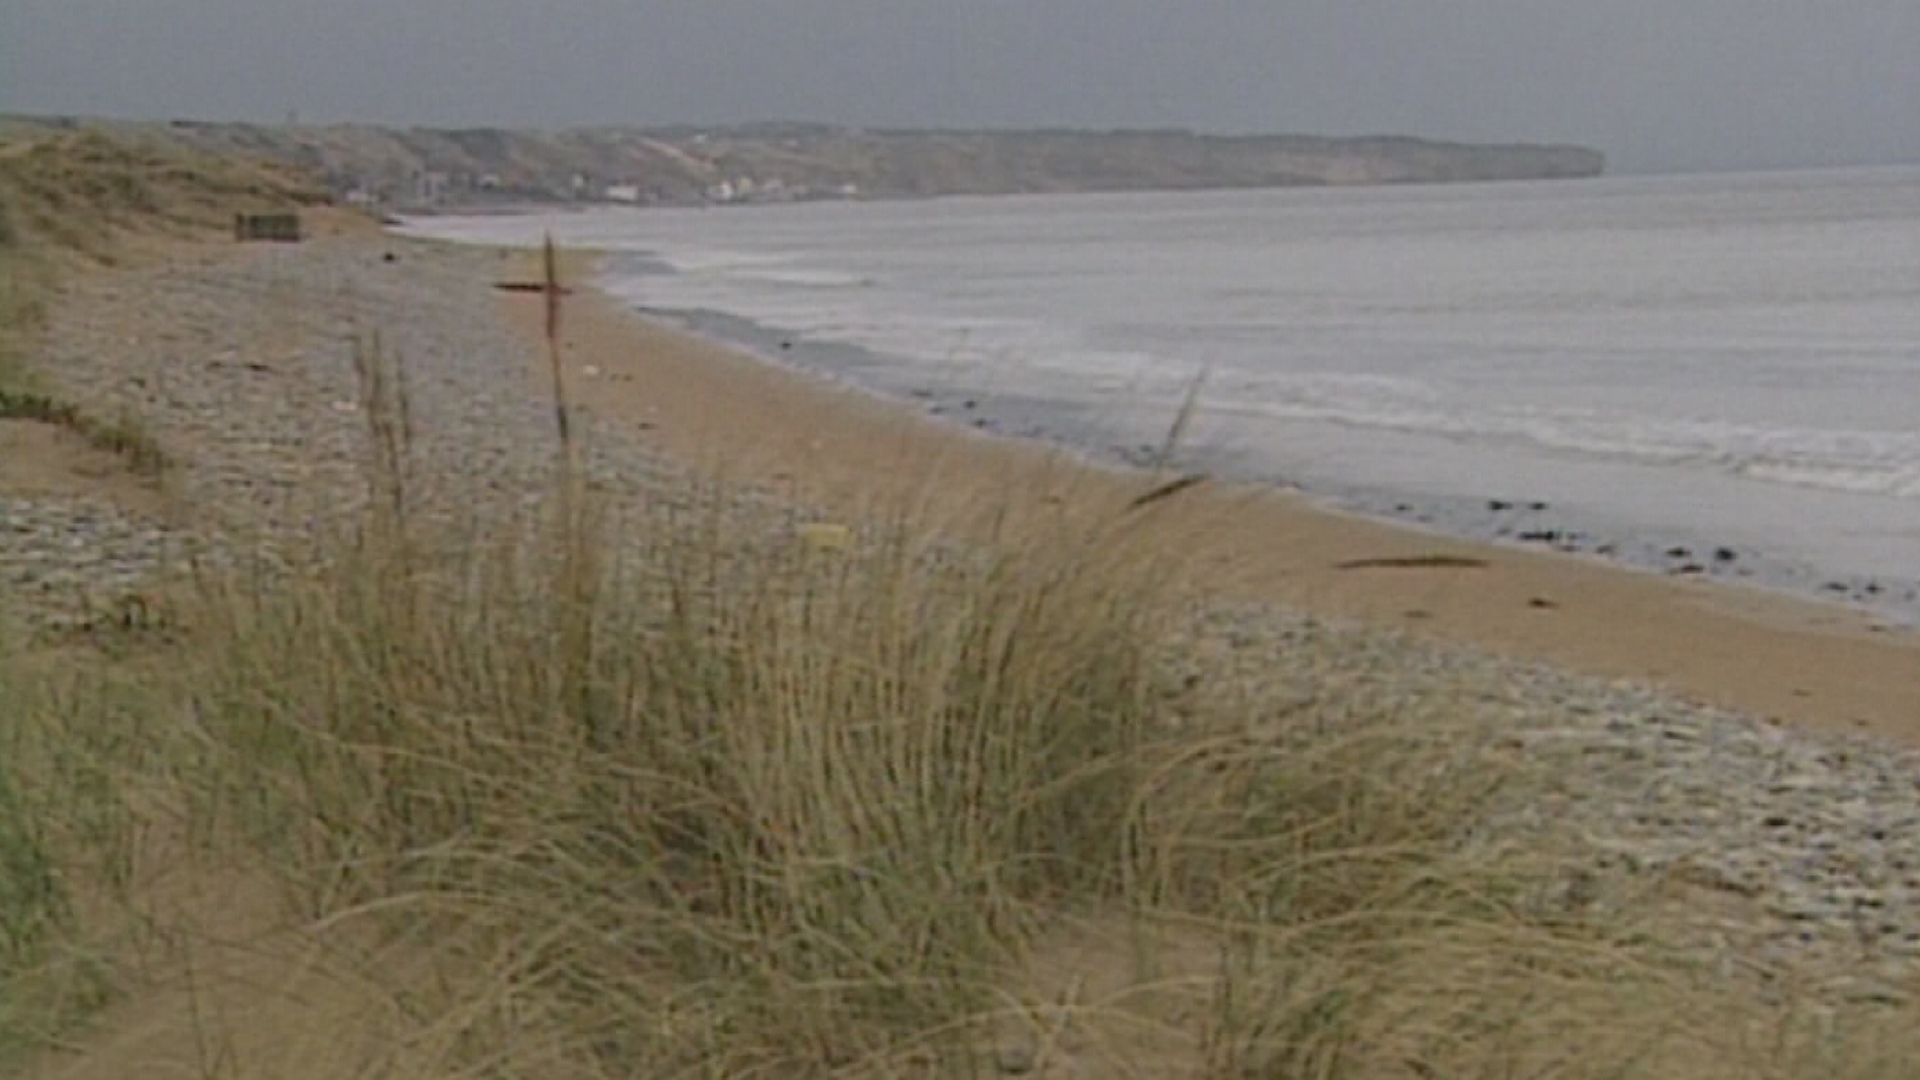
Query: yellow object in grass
825	536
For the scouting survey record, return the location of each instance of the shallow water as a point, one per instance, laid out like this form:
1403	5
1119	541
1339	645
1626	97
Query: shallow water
1696	362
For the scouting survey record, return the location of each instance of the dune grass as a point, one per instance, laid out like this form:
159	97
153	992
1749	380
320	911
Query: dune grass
26	274
650	794
70	201
24	394
81	195
22	313
617	791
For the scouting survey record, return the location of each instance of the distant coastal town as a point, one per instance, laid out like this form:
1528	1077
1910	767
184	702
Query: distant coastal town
423	170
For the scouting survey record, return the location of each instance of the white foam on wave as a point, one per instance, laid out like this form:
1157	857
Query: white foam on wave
859	310
1866	462
1055	358
799	278
719	262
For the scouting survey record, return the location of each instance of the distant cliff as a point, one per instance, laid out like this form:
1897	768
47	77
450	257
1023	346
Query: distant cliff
418	169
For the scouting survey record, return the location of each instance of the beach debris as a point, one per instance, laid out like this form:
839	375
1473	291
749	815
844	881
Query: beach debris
1415	562
529	287
824	536
1499	505
1168	490
1724	555
1541	603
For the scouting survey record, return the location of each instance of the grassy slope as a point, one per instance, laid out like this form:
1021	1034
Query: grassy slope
81	195
69	202
661	796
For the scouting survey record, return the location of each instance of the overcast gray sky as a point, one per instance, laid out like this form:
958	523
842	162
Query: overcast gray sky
1658	84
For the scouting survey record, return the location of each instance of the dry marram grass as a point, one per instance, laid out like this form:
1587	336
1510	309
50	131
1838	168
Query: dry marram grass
626	792
708	802
78	200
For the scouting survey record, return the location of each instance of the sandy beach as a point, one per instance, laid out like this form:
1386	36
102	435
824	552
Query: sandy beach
1750	755
1769	655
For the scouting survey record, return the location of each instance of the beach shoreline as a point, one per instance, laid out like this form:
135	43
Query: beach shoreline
1528	517
1446	360
765	419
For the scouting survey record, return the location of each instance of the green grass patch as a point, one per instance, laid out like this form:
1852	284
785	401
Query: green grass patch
22	312
125	435
58	815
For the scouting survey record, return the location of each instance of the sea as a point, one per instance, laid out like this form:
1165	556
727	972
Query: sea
1713	375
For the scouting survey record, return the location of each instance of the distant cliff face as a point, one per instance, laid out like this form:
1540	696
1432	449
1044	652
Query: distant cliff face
422	169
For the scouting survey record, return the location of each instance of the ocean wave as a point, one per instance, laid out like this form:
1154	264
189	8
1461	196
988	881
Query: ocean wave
1884	463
